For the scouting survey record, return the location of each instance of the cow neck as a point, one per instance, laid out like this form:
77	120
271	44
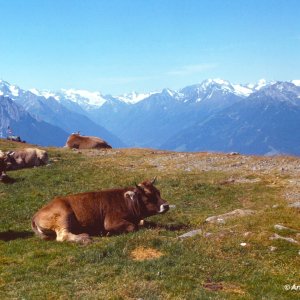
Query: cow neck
135	208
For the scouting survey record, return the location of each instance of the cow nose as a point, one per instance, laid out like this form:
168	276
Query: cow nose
164	208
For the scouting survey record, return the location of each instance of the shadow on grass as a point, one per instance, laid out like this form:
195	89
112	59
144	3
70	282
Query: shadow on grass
7	180
170	227
11	235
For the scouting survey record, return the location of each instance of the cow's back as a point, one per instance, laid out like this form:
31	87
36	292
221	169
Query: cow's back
87	211
86	142
28	158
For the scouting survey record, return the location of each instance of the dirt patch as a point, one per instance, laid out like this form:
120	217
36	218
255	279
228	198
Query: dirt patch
142	253
223	286
233	288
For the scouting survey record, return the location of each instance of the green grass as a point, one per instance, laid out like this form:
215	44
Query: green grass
31	268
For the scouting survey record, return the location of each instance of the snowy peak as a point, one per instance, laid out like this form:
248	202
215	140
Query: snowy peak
296	82
227	87
169	92
45	93
9	90
84	98
212	88
134	97
207	90
242	90
257	86
213	82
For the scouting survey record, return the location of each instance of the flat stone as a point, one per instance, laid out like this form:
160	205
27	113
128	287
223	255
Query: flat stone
235	213
295	204
281	227
190	234
279	237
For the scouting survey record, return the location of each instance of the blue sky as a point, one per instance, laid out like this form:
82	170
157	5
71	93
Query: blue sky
117	46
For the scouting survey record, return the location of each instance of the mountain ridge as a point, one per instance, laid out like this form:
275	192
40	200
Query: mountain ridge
157	119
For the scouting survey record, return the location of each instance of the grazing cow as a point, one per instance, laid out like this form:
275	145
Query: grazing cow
76	141
74	217
2	164
26	158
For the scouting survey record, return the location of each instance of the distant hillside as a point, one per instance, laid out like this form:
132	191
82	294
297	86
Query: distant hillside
266	122
53	112
23	124
214	115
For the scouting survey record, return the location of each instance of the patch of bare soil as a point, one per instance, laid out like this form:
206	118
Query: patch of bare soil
142	253
223	286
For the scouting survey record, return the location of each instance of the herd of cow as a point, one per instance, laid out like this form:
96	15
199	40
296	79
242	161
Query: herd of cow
76	218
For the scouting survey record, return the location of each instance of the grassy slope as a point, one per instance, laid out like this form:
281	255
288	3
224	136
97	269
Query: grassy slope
34	269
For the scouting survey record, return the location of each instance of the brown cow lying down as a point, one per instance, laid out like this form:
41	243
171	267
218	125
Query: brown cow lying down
26	158
3	164
76	141
74	217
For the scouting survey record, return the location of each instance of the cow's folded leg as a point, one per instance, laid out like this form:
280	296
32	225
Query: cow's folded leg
64	235
121	226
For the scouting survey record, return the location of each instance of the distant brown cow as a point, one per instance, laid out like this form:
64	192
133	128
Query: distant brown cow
74	217
76	141
26	158
2	165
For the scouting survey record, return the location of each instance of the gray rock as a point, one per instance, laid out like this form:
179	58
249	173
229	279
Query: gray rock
295	204
281	227
279	237
221	219
207	234
190	234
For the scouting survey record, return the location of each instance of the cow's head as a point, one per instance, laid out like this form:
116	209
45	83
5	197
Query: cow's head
9	158
4	164
147	196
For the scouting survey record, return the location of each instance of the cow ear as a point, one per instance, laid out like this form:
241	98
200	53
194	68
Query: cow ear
130	195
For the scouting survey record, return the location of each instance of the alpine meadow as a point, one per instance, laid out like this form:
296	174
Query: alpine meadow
149	150
235	256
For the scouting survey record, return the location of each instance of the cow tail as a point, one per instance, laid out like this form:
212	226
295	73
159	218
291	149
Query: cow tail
41	232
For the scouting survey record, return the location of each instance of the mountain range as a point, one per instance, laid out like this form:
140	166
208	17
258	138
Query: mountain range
214	115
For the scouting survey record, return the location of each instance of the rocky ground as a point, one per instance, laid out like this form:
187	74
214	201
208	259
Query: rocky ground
284	170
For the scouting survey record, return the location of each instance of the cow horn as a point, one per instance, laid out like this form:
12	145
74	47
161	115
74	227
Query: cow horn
154	180
138	186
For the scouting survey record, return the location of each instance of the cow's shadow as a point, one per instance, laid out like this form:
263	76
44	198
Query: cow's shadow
7	180
11	235
169	227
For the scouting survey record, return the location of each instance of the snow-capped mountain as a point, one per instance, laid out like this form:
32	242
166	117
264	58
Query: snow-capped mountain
266	122
212	115
90	100
134	97
49	107
23	124
296	82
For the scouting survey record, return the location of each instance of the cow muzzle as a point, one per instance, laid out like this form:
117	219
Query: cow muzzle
163	208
